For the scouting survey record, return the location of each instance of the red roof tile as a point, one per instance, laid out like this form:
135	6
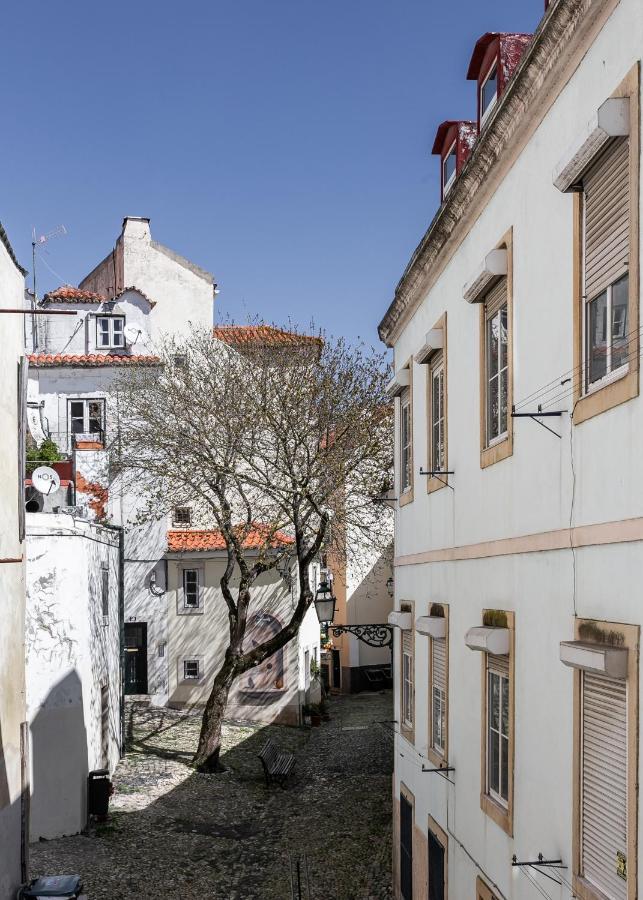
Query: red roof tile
178	541
244	335
91	359
70	294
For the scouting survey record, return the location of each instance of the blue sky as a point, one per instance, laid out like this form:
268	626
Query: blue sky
283	145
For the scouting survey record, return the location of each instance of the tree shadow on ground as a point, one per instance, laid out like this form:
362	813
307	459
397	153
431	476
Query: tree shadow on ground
177	833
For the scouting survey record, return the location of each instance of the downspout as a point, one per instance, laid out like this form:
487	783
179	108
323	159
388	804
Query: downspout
121	633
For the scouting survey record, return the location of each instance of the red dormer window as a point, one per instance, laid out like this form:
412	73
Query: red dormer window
453	143
495	58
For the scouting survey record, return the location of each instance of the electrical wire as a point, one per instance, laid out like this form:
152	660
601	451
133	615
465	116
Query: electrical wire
539	887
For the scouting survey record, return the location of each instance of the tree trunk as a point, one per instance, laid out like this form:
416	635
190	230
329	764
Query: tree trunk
206	758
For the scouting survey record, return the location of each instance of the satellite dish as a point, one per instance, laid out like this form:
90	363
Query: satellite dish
45	480
133	333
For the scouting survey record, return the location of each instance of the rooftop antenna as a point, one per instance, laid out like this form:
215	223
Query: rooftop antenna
36	241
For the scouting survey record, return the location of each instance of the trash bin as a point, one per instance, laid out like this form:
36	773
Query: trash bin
99	788
67	886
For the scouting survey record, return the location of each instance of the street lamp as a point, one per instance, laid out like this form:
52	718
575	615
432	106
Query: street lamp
325	603
390	586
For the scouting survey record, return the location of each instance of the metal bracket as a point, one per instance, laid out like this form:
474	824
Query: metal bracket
435	473
540	863
536	416
440	769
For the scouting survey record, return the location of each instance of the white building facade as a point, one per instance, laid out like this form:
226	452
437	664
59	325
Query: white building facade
14	739
518	548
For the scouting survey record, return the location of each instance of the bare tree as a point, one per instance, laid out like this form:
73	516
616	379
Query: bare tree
280	447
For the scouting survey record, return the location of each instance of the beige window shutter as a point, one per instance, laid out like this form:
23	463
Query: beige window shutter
407	642
496	298
439	664
499	664
606	187
604	783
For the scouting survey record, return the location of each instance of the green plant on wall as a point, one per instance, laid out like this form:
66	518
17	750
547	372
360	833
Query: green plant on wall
47	452
494	618
437	610
314	669
593	633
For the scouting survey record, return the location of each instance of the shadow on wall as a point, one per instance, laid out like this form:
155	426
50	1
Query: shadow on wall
59	762
9	833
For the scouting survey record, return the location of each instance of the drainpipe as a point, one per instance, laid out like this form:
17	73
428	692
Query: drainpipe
121	632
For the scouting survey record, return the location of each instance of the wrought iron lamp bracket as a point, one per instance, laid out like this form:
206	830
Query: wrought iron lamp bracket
380	635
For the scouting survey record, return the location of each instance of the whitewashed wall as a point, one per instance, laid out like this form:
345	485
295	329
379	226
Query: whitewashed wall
528	493
71	654
12	588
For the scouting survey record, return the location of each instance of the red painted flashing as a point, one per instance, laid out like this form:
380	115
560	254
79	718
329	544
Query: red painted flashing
464	134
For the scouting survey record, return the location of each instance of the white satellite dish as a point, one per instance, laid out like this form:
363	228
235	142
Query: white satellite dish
45	480
133	333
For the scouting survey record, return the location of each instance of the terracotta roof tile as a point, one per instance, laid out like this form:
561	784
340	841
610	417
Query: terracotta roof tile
191	540
91	359
70	294
244	335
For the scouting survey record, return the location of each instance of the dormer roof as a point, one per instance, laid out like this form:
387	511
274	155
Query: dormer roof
512	46
465	131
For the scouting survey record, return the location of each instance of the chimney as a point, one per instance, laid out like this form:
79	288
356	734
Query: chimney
136	227
453	143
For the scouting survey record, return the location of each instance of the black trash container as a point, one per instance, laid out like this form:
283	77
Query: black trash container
98	790
62	886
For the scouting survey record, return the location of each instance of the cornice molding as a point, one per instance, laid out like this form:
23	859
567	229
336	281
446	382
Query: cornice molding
553	52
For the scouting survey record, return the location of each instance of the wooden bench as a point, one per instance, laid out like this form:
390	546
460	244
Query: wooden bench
277	764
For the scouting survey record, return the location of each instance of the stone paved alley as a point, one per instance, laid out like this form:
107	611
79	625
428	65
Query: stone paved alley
177	835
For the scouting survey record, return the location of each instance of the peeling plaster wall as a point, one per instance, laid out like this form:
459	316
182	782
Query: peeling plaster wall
205	635
71	654
12	589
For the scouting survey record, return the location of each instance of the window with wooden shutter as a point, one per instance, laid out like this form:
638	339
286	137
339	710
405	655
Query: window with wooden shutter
496	362
604	763
606	229
498	719
438	694
407	678
406	440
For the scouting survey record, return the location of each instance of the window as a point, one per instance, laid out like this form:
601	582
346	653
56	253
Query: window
437	461
160	650
180	360
182	515
407	679
439	696
449	166
498	728
483	892
496	363
191	589
110	332
105	593
406	848
489	92
86	417
437	844
406	437
307	669
606	233
191	670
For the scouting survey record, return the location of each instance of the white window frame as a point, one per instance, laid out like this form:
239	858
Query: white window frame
493	70
502	677
185	608
611	374
406	447
503	370
447	184
438	712
437	374
407	689
104	592
187	660
115	336
86	417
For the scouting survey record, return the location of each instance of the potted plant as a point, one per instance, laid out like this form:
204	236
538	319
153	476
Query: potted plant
315	716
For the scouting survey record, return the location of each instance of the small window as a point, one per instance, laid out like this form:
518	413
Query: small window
105	594
496	364
407	679
180	360
161	647
110	332
438	696
191	586
449	165
182	515
498	729
406	430
437	461
489	92
191	670
86	418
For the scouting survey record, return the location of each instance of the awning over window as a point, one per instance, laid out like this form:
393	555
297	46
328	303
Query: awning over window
489	640
600	658
400	380
612	119
432	626
403	620
434	341
493	266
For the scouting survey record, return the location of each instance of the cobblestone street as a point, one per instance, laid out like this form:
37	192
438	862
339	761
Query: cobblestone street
177	835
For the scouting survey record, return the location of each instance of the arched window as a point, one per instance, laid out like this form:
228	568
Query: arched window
269	675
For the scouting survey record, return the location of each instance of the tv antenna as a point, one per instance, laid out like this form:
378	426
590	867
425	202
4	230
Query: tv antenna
37	241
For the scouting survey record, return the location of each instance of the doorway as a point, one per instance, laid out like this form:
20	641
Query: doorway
337	670
436	868
136	658
406	849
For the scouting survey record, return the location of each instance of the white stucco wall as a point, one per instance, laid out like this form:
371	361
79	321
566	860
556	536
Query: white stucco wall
530	492
72	652
12	589
206	634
